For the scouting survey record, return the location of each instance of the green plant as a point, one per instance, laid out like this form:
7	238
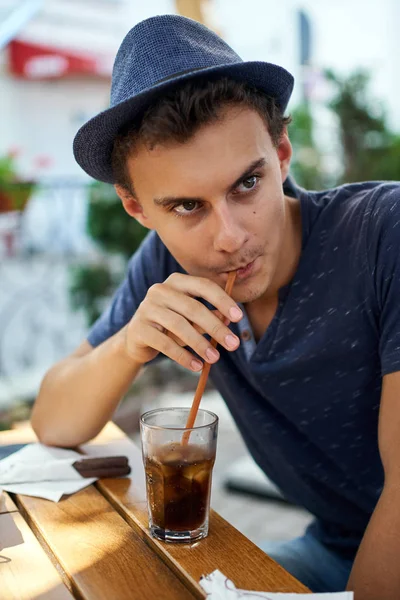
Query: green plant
14	192
116	233
306	165
91	284
7	168
370	150
109	225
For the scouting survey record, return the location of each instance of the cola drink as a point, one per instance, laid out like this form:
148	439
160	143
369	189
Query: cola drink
178	480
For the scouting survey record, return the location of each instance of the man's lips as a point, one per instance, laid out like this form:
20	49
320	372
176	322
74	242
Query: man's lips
241	271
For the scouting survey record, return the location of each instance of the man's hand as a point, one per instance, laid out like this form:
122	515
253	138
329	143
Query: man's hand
170	317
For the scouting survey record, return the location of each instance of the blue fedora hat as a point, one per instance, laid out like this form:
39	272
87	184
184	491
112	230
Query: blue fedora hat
154	55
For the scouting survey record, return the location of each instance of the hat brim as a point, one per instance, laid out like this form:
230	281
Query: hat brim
94	141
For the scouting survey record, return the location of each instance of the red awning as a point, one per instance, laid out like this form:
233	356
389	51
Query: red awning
32	61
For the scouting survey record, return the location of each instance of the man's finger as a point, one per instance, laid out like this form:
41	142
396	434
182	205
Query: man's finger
196	327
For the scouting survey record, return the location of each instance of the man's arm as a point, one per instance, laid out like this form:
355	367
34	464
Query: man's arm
80	393
376	572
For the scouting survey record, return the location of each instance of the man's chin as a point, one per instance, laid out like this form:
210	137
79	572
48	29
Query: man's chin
251	293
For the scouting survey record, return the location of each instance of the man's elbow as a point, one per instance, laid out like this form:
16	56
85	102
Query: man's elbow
46	434
51	435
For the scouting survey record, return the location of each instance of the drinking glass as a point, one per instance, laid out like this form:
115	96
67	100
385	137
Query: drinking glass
178	464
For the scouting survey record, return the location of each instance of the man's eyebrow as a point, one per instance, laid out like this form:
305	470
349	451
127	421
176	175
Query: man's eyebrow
256	164
167	200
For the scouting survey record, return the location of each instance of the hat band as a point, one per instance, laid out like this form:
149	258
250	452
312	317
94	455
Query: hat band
178	74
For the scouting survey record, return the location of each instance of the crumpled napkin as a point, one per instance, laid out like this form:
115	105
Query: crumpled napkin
42	471
219	587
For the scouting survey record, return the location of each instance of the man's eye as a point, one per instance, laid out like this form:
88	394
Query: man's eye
185	207
248	184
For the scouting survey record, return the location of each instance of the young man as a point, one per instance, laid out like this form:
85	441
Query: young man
196	144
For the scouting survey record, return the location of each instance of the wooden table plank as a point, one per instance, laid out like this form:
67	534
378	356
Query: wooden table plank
6	504
23	435
12	437
225	548
100	555
26	573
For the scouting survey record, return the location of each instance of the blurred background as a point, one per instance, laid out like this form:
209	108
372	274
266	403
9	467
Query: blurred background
65	239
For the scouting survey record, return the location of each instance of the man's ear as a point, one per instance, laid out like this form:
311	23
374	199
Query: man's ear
132	206
284	151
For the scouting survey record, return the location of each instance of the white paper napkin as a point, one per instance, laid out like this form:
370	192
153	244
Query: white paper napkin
219	587
42	471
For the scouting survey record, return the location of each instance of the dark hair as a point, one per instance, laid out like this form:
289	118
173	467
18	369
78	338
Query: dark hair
176	116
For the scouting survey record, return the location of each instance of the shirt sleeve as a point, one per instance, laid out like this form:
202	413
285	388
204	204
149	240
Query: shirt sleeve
384	251
151	263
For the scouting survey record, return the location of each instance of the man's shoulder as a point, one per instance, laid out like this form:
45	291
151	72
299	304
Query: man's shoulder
351	218
377	203
354	204
367	219
362	192
365	193
386	199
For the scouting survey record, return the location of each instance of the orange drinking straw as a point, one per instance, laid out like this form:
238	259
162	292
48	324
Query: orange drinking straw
204	374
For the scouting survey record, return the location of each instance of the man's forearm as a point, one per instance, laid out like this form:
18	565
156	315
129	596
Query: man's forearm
376	572
79	394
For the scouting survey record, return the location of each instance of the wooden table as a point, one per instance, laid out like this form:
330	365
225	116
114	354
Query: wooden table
95	544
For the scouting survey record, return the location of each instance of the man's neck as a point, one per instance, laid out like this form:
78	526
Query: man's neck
291	247
262	310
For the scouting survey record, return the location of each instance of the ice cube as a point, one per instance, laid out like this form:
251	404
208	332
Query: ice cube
202	477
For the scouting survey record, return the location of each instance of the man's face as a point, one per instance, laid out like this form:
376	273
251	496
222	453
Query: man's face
216	201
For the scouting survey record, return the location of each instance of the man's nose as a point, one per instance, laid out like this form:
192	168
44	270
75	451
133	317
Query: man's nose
229	234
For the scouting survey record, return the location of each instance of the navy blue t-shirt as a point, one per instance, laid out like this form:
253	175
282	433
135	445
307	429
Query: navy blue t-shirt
306	396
